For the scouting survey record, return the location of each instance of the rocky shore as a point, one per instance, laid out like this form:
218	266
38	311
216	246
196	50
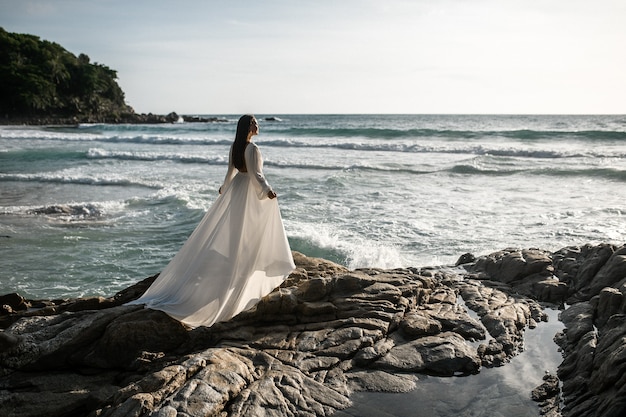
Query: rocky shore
326	333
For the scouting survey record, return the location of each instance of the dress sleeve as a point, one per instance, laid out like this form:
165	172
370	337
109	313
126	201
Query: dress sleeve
254	163
230	173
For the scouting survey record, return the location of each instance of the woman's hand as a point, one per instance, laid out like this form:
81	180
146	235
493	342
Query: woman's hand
271	194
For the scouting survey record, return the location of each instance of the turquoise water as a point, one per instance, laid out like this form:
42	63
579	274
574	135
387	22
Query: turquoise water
362	190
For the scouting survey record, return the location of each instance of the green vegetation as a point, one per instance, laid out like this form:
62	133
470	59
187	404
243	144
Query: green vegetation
39	78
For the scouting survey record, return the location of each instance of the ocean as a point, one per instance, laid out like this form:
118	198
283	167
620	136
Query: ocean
92	209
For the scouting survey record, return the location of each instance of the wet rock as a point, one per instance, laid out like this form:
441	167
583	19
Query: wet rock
74	211
610	301
199	119
610	274
594	340
550	290
446	354
504	315
548	395
577	266
372	380
578	320
512	265
607	379
466	258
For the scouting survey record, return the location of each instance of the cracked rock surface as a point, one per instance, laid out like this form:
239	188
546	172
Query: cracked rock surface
324	334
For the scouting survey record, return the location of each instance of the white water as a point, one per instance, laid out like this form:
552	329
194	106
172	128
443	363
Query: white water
382	191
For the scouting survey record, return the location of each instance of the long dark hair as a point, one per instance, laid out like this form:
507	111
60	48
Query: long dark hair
241	141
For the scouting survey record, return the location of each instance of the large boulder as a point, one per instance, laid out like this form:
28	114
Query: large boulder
512	265
446	354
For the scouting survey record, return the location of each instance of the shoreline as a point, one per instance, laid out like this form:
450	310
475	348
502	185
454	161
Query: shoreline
129	118
331	330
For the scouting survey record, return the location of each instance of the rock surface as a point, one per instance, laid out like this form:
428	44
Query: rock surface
326	333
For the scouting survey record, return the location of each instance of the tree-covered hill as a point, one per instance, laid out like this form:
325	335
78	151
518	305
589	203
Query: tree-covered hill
42	80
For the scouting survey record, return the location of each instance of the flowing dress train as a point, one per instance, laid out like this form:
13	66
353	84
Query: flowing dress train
237	254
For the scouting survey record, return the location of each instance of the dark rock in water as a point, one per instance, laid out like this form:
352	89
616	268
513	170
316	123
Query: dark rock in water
199	119
466	258
79	211
10	303
548	395
273	119
327	332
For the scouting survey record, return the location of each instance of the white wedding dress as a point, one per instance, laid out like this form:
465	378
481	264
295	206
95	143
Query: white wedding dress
236	255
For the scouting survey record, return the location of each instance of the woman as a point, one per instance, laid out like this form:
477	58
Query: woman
238	253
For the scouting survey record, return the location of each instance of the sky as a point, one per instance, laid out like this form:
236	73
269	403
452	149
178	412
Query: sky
346	56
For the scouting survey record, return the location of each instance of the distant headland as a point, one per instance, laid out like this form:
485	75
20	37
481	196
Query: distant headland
45	84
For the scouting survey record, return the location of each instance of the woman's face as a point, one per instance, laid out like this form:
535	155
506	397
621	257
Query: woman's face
254	127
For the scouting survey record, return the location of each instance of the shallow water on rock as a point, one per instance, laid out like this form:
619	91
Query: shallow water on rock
503	391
